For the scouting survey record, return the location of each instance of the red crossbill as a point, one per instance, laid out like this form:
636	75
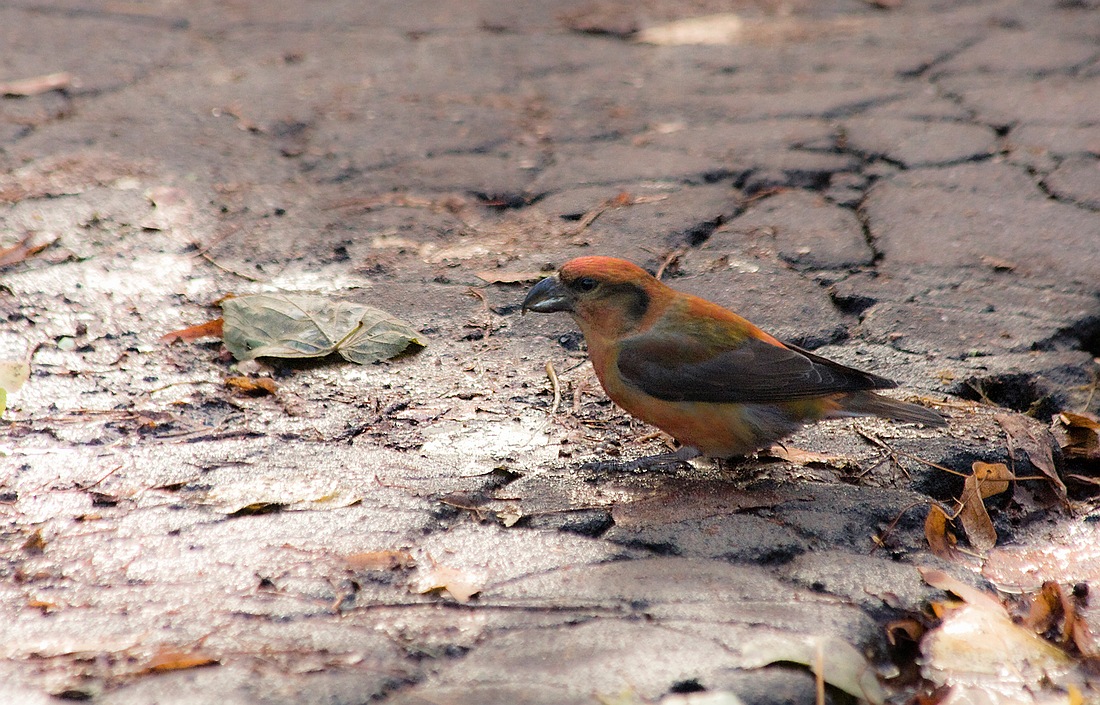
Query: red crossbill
714	381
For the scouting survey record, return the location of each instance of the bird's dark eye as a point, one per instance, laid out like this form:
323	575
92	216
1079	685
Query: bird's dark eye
585	284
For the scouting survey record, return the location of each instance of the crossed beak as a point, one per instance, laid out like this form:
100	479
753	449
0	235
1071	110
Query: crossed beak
548	296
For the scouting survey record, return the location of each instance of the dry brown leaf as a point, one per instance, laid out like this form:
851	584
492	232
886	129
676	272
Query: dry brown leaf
380	560
1030	436
22	250
1083	638
1082	420
171	659
202	330
1046	607
35	544
37	84
1055	604
43	606
1078	435
940	540
974	518
252	386
1069	611
911	628
998	264
991	478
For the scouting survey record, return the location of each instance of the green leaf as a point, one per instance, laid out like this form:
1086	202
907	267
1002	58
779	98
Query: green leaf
305	325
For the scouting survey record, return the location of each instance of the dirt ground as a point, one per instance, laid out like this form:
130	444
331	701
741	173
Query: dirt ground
912	188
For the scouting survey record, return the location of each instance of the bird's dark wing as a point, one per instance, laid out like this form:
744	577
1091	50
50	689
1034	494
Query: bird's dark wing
682	368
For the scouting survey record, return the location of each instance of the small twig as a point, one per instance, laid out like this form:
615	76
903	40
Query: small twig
977	387
476	511
180	384
102	477
621	200
230	231
880	540
206	256
555	386
1092	390
471	291
903	454
889	451
578	392
587	219
672	257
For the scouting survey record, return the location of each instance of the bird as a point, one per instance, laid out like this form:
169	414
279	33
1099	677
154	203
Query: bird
718	384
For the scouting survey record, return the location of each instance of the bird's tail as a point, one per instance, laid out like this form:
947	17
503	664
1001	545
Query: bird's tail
871	404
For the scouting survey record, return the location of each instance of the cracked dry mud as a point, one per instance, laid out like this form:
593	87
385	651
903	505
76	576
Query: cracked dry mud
911	190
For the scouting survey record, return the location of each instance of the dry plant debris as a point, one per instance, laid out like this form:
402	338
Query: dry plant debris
301	326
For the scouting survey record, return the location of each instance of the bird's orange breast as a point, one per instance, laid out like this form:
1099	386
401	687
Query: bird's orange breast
716	429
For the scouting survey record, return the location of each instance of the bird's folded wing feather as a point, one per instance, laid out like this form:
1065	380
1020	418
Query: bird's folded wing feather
684	368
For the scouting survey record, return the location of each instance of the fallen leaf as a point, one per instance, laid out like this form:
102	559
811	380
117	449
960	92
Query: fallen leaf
13	374
170	659
978	648
380	560
942	581
252	386
1078	435
1036	441
44	606
459	584
974	517
726	28
991	478
302	325
911	628
940	540
729	28
998	264
261	495
839	663
35	545
191	333
37	84
22	250
1046	608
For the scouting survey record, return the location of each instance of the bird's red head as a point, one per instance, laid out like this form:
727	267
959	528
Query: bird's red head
605	295
609	270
